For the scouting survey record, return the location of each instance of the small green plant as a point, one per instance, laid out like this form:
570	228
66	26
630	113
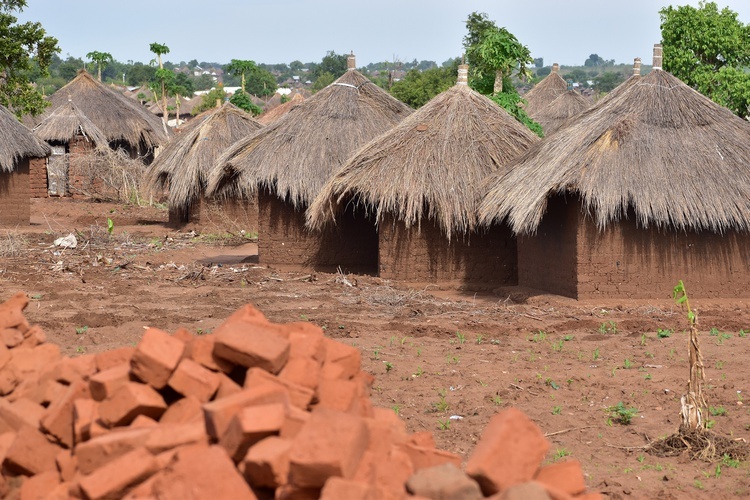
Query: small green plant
36	296
376	354
495	341
81	330
80	349
556	410
627	364
710	423
608	327
110	226
452	359
496	400
461	338
568	338
419	352
730	462
647	376
641	458
663	333
480	339
742	333
714	332
561	453
539	336
621	414
441	405
719	365
396	409
557	346
419	372
444	425
698	484
595	355
717	411
643	339
388	366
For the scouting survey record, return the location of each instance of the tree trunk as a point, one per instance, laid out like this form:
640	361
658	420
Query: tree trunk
498	82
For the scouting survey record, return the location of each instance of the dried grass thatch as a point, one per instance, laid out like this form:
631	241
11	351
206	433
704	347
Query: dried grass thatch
678	159
544	92
430	165
17	142
183	167
118	117
295	155
567	105
66	122
279	111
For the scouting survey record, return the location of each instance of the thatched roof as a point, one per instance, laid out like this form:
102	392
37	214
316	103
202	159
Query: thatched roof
544	92
634	78
279	111
567	105
430	165
295	155
17	142
660	148
118	117
184	165
65	122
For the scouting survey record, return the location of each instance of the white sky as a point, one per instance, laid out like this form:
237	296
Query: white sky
279	31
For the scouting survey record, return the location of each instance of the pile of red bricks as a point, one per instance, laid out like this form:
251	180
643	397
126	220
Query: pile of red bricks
255	410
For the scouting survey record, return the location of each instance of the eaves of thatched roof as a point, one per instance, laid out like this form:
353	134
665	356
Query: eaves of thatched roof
65	122
660	148
567	105
184	164
431	165
274	114
544	92
118	117
17	142
295	155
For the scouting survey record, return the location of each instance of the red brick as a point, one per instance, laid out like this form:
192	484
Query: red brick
13	418
70	370
266	463
168	436
187	409
39	486
192	379
103	449
531	490
292	492
129	401
444	481
42	392
252	345
106	382
33	337
295	419
509	452
338	394
200	471
187	338
67	464
389	470
331	443
302	371
4	355
27	362
156	357
227	387
143	421
385	432
566	476
342	361
9	379
30	453
250	425
11	312
202	351
109	359
85	412
112	479
58	419
308	341
423	457
219	413
337	488
246	314
10	337
299	396
424	439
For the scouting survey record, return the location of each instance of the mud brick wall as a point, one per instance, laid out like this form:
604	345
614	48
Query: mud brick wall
82	180
15	203
38	177
547	259
231	215
425	255
283	239
627	261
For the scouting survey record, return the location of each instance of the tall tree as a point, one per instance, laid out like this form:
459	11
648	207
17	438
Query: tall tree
494	54
163	76
239	67
418	87
709	49
101	59
332	63
20	45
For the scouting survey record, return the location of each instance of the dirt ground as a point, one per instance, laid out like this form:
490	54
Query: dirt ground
444	360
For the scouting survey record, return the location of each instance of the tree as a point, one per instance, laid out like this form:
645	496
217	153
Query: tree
20	46
210	100
101	59
243	101
594	60
708	49
494	54
239	67
162	76
323	81
539	62
418	87
332	63
608	81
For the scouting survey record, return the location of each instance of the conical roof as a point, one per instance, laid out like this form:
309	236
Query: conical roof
118	117
430	165
65	122
544	92
183	166
279	111
17	142
567	105
295	155
675	157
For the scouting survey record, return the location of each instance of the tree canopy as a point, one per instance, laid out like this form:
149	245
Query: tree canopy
242	100
101	59
418	87
22	45
708	49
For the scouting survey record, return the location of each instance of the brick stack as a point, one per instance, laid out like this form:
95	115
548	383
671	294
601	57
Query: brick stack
255	410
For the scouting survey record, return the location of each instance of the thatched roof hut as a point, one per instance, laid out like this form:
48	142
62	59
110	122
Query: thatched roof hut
184	164
66	122
567	105
430	165
546	91
17	142
279	111
652	173
122	120
295	155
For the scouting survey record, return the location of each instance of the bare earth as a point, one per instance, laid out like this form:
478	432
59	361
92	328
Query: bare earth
446	361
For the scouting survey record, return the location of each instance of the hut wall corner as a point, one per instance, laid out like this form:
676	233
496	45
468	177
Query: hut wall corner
38	177
15	194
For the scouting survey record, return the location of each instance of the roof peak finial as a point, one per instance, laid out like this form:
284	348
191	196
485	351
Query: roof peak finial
637	66
555	68
657	56
351	62
463	74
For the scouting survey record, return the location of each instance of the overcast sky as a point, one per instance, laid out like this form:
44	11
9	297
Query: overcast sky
281	31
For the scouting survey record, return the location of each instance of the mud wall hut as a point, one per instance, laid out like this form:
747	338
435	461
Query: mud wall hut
644	189
288	162
421	179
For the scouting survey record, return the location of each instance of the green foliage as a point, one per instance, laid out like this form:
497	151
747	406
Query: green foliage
102	59
209	100
253	79
22	45
332	63
324	80
680	296
663	333
510	100
708	49
608	81
242	100
418	87
620	414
